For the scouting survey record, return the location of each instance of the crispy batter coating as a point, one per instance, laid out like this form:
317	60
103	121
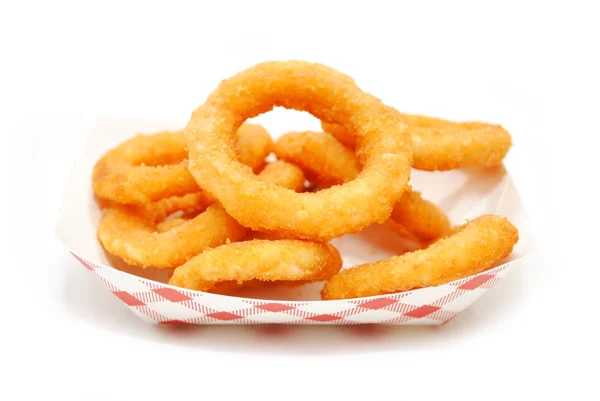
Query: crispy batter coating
283	174
340	133
147	168
133	232
195	202
327	162
259	259
445	145
475	247
187	206
157	211
279	172
324	160
254	144
135	240
144	168
422	218
384	150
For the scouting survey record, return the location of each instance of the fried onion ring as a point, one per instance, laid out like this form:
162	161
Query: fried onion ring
253	145
444	145
475	247
140	237
384	150
186	204
264	260
422	218
281	173
192	203
135	240
147	168
284	174
326	162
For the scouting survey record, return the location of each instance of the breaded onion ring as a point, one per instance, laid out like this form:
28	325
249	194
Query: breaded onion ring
135	240
187	204
264	260
253	145
137	235
383	148
284	174
326	162
444	145
192	203
475	247
422	218
147	168
280	173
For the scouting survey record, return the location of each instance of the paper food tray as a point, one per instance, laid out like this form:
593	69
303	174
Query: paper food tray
462	194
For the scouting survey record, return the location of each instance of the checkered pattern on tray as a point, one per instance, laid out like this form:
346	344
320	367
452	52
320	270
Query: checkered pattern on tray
160	303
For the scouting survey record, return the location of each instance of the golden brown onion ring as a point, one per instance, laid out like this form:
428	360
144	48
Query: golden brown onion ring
475	247
135	239
383	149
137	235
444	145
288	260
326	162
147	168
284	174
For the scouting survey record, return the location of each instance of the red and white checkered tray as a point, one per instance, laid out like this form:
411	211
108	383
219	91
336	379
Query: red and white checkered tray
462	194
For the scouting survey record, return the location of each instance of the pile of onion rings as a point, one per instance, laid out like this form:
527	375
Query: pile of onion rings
208	204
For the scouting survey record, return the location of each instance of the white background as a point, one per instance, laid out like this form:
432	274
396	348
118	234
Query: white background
531	66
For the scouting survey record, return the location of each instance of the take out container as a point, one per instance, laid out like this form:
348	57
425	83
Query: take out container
463	194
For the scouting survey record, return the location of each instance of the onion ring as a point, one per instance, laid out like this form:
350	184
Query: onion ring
444	145
135	240
383	148
327	162
422	218
280	173
137	236
324	160
147	168
254	144
284	174
158	211
264	260
475	247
